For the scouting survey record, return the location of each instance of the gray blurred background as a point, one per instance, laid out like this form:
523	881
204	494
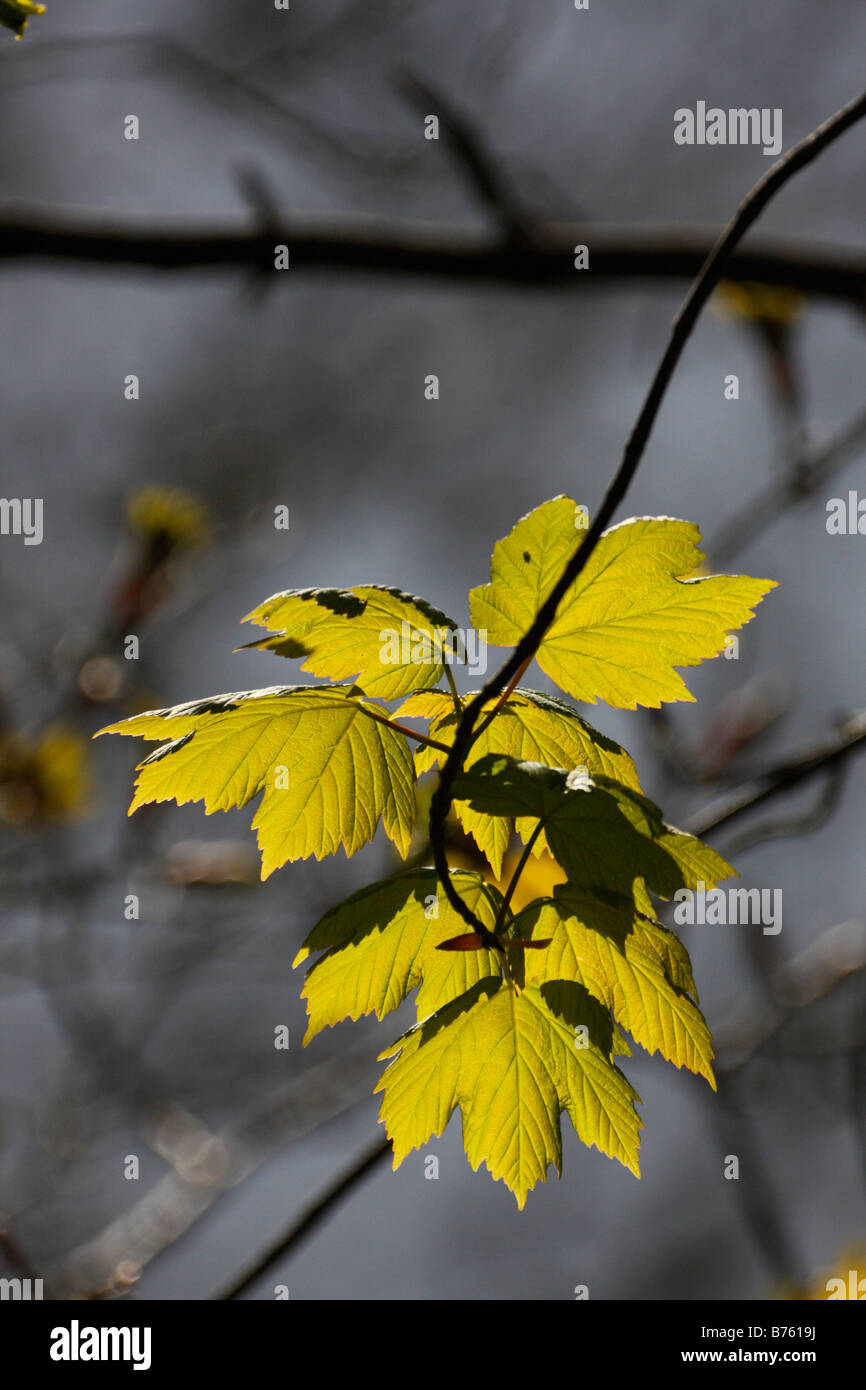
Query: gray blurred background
154	1037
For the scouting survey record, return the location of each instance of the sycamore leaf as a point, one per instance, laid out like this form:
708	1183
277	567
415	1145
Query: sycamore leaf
630	963
530	726
382	941
630	617
604	835
14	14
698	863
328	770
512	1063
389	641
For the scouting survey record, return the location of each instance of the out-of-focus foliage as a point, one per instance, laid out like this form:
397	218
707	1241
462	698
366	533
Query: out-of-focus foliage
757	303
44	778
14	14
169	517
629	618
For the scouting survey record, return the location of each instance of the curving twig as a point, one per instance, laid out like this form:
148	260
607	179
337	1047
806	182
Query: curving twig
812	471
828	754
713	271
310	1218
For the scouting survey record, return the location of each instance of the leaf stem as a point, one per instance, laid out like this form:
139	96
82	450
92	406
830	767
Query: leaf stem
402	729
515	877
449	675
509	690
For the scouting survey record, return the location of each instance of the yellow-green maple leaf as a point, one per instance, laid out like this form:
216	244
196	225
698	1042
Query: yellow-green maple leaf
532	727
381	942
630	617
327	770
632	964
512	1064
603	834
388	641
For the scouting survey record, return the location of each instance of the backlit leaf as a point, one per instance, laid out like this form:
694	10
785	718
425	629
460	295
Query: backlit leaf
632	964
382	941
327	770
511	1062
604	835
390	642
532	727
630	617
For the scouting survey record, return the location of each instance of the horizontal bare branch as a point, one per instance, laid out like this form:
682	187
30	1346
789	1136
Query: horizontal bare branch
417	249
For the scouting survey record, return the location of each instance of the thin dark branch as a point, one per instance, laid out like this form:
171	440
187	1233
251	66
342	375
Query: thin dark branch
72	59
757	1020
310	1219
71	236
756	1198
169	1210
493	189
812	471
787	827
712	272
823	756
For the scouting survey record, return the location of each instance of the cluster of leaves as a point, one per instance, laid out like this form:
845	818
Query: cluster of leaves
520	1026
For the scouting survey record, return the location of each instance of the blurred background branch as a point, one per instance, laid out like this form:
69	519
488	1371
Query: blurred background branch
425	250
